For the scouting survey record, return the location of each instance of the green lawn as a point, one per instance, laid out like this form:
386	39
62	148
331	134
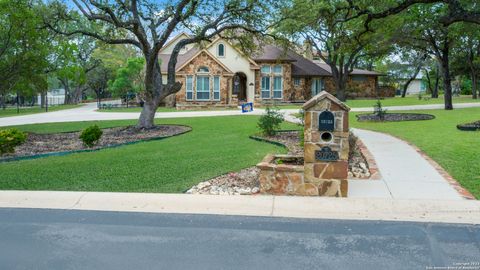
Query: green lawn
12	111
216	145
456	151
396	101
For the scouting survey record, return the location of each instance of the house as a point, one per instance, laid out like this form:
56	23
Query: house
54	97
416	86
218	74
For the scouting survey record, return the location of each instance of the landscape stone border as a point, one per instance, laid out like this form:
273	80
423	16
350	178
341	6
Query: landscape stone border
372	164
474	126
64	153
370	117
452	181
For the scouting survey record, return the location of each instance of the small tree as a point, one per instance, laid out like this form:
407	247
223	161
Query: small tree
270	122
378	110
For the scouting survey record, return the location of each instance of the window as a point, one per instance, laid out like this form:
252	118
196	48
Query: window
216	87
277	87
203	70
317	86
277	69
203	87
359	78
221	50
296	81
189	88
265	69
265	87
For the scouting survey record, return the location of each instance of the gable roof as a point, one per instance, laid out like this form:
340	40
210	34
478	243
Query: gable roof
168	43
181	59
355	71
321	96
235	48
210	55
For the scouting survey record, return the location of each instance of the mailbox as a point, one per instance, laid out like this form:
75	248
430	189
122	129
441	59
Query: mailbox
326	144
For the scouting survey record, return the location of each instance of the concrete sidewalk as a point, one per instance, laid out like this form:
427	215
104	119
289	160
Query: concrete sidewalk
405	173
449	211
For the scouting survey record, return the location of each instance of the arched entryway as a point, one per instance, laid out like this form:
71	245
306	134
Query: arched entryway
239	87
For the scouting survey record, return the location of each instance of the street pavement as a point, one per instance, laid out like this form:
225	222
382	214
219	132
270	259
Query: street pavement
69	239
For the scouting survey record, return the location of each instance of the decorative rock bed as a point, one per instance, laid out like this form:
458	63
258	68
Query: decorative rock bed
394	117
38	145
246	181
474	126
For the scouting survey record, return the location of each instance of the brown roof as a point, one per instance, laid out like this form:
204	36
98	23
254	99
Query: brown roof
354	72
300	65
181	59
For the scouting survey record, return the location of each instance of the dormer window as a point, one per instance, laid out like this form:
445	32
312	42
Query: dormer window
203	70
221	50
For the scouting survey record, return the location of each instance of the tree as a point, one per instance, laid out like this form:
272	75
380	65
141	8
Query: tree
339	43
466	55
148	25
23	51
129	79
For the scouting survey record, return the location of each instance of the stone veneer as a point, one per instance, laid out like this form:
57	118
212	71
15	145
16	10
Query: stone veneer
203	59
315	177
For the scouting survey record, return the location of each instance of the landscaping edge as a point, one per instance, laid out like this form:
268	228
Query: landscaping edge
64	153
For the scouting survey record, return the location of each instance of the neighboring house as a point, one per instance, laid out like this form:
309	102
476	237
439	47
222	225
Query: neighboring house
218	74
416	86
54	97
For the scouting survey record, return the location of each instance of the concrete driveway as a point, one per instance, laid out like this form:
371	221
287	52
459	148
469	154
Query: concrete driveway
68	239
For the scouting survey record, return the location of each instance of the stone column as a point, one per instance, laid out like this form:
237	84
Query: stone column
326	144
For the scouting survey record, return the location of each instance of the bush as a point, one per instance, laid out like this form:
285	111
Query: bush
270	122
9	139
91	135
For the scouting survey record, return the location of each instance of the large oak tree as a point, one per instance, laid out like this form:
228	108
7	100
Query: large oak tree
148	25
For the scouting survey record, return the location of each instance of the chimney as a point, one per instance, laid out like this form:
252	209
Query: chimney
307	50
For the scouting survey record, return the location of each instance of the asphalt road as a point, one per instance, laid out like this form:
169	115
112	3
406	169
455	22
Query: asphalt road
66	239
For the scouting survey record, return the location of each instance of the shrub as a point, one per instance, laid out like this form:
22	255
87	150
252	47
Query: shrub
270	121
91	135
9	139
378	110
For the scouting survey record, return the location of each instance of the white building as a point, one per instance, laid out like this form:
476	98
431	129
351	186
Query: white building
54	97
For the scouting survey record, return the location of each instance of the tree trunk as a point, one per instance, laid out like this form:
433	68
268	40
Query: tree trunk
447	84
340	88
42	99
474	85
147	116
437	80
2	101
429	82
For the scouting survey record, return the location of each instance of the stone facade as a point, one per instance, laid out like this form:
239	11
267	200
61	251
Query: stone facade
288	93
215	69
329	176
316	177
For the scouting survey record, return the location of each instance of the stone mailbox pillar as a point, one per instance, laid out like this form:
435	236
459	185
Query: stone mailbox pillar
326	144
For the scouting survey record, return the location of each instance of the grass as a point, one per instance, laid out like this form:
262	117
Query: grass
396	101
456	151
12	111
216	145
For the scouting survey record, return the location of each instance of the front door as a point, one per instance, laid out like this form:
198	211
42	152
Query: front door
240	86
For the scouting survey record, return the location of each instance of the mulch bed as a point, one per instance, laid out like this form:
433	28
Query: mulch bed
394	117
37	144
474	126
